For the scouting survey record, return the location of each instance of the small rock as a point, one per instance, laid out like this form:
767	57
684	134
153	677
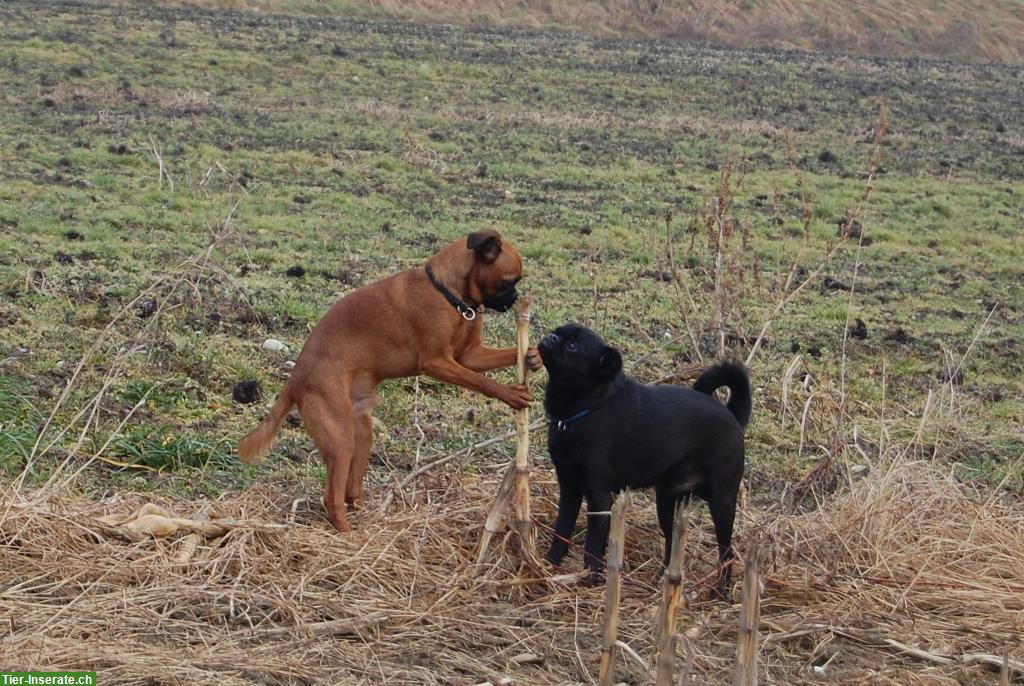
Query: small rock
145	308
527	659
849	228
859	471
898	335
290	364
247	392
273	345
831	284
827	157
955	376
658	275
859	330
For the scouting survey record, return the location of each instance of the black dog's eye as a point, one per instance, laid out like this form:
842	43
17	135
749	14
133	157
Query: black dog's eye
570	346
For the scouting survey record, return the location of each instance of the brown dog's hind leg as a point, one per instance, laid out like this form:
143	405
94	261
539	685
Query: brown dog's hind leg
331	427
360	459
364	399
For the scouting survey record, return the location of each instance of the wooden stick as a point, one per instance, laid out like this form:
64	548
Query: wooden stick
671	593
750	610
333	627
462	452
521	521
612	588
875	639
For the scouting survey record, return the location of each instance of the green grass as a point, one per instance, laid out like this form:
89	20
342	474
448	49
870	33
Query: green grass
356	148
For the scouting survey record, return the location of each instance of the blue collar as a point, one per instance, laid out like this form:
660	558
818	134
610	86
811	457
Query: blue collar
563	424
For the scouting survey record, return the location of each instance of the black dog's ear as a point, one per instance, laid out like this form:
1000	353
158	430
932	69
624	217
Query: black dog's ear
486	245
610	361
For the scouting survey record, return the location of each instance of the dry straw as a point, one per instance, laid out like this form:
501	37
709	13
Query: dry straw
906	577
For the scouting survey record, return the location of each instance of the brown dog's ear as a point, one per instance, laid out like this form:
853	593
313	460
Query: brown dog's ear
486	244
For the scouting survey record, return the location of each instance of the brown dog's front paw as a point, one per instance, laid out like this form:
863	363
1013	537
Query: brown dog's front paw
533	361
517	396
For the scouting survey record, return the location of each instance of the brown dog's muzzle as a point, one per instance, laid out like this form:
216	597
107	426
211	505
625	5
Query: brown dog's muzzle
501	301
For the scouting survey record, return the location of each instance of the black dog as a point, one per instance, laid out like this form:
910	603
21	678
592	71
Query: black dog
609	432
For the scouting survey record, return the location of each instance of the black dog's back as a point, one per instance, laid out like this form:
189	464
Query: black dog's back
660	436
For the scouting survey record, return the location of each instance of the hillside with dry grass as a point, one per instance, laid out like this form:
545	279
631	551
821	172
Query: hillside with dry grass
965	29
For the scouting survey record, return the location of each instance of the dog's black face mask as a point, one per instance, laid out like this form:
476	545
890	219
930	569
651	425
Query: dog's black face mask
503	299
574	353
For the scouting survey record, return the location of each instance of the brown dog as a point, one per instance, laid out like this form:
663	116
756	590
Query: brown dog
420	321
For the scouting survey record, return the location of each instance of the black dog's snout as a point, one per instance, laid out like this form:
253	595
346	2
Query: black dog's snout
550	339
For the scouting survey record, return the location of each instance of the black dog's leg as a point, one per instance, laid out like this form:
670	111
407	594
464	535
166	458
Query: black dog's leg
723	513
570	497
666	504
597	530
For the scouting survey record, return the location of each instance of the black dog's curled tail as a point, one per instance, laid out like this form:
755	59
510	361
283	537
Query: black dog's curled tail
733	376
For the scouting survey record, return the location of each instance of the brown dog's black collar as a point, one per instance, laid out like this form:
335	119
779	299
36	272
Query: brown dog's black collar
467	312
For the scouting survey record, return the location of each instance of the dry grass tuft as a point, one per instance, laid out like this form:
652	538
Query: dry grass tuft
906	559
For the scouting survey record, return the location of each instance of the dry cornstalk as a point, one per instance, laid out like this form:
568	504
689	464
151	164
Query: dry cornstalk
513	495
189	545
521	521
750	610
612	588
161	169
672	586
498	516
719	216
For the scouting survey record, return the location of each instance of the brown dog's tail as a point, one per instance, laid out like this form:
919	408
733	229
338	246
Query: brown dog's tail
258	440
